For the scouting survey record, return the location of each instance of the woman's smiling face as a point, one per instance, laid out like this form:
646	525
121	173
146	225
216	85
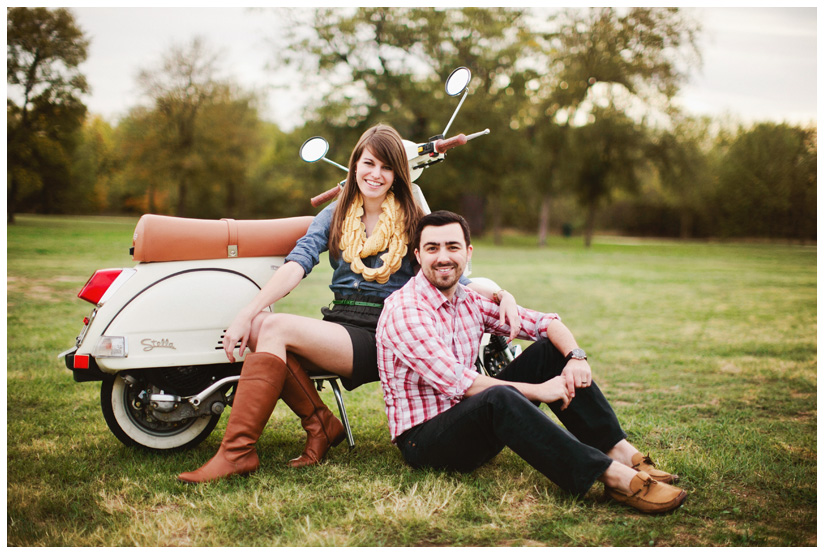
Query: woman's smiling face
374	177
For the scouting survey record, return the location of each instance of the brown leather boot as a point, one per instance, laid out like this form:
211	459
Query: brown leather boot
323	429
260	385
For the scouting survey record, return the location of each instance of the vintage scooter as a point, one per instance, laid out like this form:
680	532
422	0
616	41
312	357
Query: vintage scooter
154	338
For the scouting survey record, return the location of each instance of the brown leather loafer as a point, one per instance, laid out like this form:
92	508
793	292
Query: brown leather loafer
643	463
649	496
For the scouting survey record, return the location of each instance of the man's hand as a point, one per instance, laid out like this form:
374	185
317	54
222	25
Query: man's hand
576	374
508	312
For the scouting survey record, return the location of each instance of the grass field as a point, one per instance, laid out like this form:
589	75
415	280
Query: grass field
706	351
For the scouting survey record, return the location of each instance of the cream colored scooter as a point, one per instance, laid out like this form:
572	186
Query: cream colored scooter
154	337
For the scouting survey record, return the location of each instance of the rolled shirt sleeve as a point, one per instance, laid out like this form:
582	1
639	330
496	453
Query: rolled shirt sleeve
533	323
308	249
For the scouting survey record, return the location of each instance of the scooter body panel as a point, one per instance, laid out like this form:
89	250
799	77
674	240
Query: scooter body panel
175	313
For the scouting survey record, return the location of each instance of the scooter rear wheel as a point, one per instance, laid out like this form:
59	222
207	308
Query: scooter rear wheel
134	426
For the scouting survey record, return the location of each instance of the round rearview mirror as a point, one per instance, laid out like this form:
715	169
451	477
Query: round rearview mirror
458	81
314	149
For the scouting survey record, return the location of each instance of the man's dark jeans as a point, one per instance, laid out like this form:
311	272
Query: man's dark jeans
479	427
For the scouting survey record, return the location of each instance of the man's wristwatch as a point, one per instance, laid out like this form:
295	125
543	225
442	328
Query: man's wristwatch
578	354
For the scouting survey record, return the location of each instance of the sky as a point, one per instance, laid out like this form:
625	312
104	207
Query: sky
760	64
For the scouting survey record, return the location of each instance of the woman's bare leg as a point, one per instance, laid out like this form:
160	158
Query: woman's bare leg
312	345
319	344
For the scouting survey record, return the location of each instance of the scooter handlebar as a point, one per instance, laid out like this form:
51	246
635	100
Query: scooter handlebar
327	196
443	145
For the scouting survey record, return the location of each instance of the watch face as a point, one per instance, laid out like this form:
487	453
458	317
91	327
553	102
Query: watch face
578	353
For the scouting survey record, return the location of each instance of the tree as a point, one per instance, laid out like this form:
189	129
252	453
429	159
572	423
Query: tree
179	88
44	49
283	183
389	65
146	164
229	139
635	58
192	150
602	158
680	154
767	183
94	166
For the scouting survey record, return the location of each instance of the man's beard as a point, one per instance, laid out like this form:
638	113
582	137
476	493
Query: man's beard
445	282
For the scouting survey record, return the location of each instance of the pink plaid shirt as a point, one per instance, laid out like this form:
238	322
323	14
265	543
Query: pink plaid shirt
427	347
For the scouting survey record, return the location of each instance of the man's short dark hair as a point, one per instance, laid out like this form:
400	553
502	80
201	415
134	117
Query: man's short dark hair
440	218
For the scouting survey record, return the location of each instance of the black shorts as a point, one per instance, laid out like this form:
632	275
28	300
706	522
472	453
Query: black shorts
360	323
364	357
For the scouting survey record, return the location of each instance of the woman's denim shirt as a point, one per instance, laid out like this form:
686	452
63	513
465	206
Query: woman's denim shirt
307	253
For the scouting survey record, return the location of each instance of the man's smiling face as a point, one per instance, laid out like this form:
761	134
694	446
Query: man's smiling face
443	255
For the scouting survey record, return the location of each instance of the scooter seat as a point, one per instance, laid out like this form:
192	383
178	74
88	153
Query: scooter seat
167	238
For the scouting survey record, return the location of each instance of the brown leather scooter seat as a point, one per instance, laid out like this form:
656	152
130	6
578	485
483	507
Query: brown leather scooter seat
166	238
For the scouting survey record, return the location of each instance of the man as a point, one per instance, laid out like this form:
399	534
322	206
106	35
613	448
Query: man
443	414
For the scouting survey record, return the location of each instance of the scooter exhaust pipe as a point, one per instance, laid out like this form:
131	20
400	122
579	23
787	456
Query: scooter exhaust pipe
196	400
164	402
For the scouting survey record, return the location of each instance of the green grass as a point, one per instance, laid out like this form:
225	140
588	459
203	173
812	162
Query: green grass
707	352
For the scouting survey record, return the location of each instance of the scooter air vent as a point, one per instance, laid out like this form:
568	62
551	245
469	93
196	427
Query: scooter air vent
219	346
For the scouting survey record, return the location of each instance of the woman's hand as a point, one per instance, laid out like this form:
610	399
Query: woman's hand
285	279
239	331
508	313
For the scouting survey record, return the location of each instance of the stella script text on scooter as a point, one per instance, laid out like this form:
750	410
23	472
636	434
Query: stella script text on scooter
149	344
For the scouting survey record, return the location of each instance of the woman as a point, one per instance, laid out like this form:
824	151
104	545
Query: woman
367	232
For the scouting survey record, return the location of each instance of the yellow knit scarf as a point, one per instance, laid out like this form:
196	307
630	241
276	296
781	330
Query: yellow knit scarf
388	235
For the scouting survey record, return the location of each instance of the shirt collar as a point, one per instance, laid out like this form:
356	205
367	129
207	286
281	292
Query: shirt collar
432	295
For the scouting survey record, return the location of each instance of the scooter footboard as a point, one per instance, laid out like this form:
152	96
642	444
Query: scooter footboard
166	238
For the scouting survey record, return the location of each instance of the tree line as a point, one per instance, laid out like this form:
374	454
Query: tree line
584	133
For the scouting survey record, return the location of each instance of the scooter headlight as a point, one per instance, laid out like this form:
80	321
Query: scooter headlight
111	347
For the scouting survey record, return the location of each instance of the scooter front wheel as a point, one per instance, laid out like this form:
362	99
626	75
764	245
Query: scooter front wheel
122	404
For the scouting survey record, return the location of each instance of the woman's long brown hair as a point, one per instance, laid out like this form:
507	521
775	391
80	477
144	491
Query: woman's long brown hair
386	144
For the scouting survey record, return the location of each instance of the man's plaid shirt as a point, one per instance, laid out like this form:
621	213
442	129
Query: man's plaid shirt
427	347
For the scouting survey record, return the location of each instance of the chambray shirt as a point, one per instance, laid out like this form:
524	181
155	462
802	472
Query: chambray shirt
307	253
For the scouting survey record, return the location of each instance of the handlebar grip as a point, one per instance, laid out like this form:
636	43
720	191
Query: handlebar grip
443	145
324	197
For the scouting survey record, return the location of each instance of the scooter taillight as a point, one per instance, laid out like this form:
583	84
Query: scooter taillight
98	284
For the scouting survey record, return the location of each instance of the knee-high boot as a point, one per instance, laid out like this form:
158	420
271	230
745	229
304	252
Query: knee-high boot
259	387
323	429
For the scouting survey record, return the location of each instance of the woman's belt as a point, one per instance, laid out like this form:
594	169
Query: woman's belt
349	302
